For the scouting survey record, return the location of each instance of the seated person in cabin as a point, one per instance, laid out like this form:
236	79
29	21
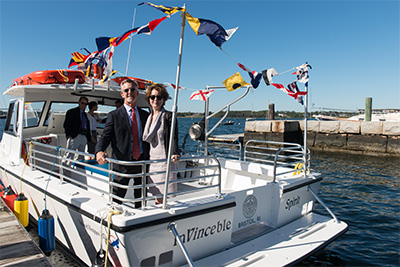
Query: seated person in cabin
77	128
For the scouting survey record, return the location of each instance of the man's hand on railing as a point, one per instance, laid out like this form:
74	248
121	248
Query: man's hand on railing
101	157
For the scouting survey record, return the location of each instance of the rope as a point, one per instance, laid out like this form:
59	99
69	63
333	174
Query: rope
112	212
25	161
62	75
47	184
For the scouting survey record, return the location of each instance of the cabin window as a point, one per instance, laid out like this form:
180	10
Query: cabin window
166	258
11	118
148	262
33	112
59	107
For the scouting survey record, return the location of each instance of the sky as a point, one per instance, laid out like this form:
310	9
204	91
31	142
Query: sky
352	46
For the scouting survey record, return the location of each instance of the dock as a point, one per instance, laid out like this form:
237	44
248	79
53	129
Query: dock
353	137
16	246
236	137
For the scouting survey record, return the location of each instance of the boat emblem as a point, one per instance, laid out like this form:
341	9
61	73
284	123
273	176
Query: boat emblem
249	206
114	242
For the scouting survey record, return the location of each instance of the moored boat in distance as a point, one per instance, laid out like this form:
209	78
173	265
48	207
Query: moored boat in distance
376	115
227	123
256	208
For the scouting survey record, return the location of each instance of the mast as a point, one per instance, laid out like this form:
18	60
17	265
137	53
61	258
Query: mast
174	109
130	44
305	129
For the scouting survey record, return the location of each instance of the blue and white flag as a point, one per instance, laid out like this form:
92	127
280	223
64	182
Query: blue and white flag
255	79
302	73
268	74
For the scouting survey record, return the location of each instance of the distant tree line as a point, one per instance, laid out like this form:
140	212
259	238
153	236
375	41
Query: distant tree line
264	114
246	114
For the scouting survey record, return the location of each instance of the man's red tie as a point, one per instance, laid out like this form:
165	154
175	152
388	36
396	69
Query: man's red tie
135	135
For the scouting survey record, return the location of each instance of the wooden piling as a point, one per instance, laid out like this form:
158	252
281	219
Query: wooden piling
368	108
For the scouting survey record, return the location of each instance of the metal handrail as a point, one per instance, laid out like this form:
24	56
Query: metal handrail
171	228
323	204
294	155
208	168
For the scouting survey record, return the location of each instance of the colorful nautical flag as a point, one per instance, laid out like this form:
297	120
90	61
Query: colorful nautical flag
201	95
234	82
91	57
217	34
268	74
77	58
107	57
293	91
104	42
243	67
166	9
302	73
255	78
174	86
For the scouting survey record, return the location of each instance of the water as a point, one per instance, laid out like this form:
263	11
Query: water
363	191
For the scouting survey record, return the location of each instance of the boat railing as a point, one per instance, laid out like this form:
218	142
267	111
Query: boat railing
191	172
286	158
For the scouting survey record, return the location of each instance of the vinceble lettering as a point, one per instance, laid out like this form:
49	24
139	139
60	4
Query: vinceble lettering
196	233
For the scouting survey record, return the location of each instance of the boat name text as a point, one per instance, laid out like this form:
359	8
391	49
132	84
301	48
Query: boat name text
196	233
292	202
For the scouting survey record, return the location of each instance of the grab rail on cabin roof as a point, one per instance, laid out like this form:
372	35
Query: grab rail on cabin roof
282	155
204	168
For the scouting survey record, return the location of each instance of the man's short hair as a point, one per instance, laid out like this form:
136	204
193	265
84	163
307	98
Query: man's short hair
131	82
84	98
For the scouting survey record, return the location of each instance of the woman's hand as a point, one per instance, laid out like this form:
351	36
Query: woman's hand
175	158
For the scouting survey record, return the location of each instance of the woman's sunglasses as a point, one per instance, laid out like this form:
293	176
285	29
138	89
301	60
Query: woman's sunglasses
152	97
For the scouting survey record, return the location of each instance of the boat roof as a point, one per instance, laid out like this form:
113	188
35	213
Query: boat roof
103	93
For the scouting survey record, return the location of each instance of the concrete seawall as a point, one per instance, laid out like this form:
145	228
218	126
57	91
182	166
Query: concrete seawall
370	138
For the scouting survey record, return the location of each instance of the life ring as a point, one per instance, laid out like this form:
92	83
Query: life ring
50	77
298	168
97	71
141	82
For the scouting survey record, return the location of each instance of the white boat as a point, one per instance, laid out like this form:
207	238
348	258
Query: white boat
255	210
379	115
376	115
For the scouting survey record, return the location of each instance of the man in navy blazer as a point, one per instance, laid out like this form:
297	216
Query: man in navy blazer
77	131
118	133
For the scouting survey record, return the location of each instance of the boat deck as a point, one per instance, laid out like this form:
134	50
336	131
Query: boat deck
17	246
